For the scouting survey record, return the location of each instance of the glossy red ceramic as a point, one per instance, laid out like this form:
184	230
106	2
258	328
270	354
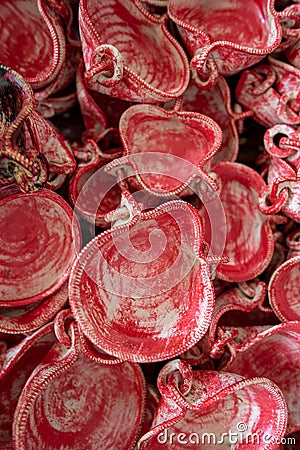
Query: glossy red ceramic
129	53
38	42
272	352
225	37
249	243
167	149
94	193
40	239
284	290
283	193
74	401
197	404
142	290
271	92
216	103
16	365
27	318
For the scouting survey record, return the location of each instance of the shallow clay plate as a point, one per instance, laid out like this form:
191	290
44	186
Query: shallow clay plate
284	290
272	352
142	291
80	405
38	244
249	242
215	404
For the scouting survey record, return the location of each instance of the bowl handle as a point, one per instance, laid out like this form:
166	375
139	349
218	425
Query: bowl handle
106	67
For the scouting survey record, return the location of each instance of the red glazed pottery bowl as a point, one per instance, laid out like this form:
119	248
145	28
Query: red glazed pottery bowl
271	352
167	149
225	38
142	290
146	66
204	409
249	243
78	402
40	239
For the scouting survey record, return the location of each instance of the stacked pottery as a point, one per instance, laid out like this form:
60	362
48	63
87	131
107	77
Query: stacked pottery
149	224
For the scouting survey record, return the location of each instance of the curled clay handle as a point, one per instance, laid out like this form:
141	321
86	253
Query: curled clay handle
96	355
289	115
284	150
106	67
293	240
260	80
290	22
175	379
204	68
266	206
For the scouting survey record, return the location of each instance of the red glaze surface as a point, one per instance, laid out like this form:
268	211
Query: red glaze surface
41	54
227	36
143	291
283	170
200	401
152	69
30	317
185	136
139	291
74	402
284	290
16	366
47	140
94	193
270	92
272	353
216	103
98	110
39	243
249	244
152	400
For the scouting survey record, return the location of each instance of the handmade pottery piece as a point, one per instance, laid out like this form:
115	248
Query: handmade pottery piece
273	352
241	304
98	110
216	103
289	20
284	290
249	244
28	168
41	135
167	150
93	193
227	407
283	193
40	239
66	401
46	58
16	365
33	41
293	243
142	290
28	143
271	92
152	68
213	37
28	318
152	400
